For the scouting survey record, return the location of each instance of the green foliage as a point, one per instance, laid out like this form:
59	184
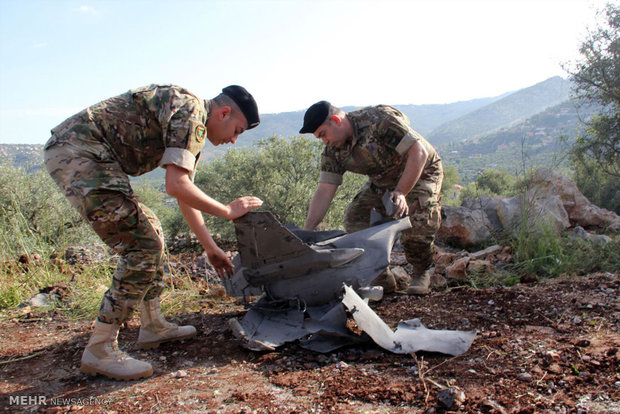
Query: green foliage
283	173
600	188
597	80
451	178
34	216
491	183
546	253
496	181
597	73
538	249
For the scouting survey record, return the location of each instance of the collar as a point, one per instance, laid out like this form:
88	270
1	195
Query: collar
358	125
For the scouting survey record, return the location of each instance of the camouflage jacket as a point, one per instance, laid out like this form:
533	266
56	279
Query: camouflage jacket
145	127
378	148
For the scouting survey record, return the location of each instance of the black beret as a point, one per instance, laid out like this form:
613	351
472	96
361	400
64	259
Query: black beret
315	116
245	102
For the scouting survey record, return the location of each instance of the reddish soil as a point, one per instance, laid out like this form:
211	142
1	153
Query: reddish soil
551	346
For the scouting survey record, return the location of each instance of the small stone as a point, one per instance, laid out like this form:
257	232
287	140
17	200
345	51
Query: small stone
583	343
40	300
577	320
162	358
446	398
524	376
342	365
450	397
181	374
584	375
491	302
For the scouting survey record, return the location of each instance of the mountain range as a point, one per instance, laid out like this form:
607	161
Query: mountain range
535	117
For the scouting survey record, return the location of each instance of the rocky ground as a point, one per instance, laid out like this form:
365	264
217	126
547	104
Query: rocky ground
547	346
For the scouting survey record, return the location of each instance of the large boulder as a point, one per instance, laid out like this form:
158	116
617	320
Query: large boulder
552	199
533	212
581	212
463	227
489	205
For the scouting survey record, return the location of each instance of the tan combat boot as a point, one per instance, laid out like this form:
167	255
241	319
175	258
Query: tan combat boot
420	284
102	356
386	280
154	329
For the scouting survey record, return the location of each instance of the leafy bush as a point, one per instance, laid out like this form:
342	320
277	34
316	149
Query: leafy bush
283	173
34	216
596	79
547	253
491	182
599	187
449	195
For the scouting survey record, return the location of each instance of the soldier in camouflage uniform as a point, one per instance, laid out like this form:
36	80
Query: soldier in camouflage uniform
91	155
379	142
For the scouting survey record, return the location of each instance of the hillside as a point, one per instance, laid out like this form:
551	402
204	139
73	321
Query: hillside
424	119
490	131
504	112
25	156
539	140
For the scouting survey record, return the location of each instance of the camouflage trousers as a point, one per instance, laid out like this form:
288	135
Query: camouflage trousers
424	214
94	183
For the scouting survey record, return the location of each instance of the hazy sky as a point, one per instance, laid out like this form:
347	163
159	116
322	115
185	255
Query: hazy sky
57	57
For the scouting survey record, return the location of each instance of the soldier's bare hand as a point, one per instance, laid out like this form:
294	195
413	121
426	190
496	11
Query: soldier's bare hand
242	205
401	203
221	263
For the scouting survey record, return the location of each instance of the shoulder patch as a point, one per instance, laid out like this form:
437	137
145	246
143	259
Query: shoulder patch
200	133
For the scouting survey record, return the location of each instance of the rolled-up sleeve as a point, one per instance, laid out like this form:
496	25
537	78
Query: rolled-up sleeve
179	157
407	141
331	170
330	178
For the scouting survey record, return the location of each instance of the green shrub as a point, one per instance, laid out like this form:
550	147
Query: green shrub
491	183
35	217
283	173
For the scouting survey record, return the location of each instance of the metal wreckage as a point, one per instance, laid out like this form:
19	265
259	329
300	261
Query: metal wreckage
308	280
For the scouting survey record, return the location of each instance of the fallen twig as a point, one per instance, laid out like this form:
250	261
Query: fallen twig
420	364
441	363
9	361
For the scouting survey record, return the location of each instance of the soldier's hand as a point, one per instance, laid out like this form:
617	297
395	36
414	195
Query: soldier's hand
222	264
242	205
401	203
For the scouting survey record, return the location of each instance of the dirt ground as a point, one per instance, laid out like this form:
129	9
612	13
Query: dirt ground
550	346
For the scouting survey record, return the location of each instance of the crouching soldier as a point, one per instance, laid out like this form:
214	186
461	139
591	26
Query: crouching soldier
378	142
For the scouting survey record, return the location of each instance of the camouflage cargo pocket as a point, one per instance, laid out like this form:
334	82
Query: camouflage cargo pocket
113	216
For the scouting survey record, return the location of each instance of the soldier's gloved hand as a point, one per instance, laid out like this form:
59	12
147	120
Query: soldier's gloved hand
222	264
242	205
399	199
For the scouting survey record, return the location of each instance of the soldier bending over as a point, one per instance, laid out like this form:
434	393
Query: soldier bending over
91	155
